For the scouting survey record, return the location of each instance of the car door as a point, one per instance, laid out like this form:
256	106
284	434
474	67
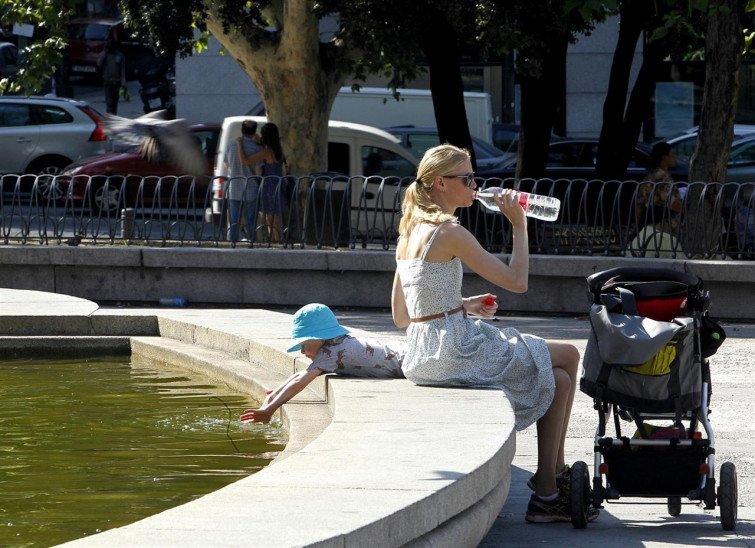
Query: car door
18	136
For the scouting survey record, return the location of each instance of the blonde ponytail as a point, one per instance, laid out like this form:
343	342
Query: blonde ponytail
417	205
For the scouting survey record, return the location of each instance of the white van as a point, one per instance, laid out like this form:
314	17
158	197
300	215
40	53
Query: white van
354	150
377	107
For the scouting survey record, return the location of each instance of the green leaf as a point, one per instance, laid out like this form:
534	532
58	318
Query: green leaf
659	33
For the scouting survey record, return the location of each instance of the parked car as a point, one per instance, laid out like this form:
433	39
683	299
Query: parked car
86	40
576	159
42	135
418	139
85	179
8	59
683	144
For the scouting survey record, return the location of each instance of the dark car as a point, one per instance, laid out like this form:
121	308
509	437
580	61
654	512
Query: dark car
9	64
576	159
86	40
124	179
683	144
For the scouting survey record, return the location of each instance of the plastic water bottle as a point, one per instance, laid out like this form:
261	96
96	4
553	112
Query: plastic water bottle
178	302
534	205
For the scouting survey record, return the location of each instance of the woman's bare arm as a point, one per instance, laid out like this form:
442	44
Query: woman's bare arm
261	156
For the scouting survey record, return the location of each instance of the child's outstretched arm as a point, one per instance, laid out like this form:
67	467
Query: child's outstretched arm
293	385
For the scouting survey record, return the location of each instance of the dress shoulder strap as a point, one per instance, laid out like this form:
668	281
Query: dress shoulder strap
431	240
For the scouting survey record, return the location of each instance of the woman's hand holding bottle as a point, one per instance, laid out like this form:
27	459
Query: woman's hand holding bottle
545	208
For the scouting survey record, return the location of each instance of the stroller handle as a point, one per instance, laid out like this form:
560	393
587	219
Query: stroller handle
595	281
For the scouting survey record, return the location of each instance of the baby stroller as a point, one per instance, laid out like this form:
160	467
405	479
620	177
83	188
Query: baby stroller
647	361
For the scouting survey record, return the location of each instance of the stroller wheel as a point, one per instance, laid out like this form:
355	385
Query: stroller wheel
579	494
674	506
727	496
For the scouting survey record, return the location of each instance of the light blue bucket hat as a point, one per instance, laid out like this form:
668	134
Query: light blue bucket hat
314	321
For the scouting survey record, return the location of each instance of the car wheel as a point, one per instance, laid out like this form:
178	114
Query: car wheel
46	169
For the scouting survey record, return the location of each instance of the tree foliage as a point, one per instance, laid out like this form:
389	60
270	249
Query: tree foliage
49	19
277	43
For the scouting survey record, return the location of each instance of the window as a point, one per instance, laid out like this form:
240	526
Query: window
338	158
684	148
418	143
45	115
8	57
378	161
14	115
88	31
561	155
209	141
744	154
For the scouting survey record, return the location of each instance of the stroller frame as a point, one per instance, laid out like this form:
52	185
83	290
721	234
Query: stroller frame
658	461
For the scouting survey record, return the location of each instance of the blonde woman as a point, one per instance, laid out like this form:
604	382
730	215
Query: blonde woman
446	347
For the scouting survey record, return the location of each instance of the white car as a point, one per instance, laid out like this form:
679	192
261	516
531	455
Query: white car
42	135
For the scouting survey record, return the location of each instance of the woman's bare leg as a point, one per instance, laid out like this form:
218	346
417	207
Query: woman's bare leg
566	357
551	428
549	435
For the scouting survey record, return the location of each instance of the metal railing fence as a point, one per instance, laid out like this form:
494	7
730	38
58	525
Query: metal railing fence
597	217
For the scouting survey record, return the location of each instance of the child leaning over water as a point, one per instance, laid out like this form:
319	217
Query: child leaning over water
316	332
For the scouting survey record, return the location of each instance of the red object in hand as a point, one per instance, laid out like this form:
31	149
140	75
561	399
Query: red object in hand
490	301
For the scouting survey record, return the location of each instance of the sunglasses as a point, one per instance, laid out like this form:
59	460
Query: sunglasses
467	178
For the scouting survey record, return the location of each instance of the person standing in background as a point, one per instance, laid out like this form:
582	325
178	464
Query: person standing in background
271	165
112	66
242	188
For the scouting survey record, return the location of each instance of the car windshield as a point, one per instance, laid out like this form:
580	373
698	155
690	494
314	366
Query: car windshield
90	31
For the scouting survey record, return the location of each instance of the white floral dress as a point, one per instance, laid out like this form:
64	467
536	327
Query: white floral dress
458	351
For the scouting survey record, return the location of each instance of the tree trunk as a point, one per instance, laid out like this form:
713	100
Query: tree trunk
541	96
295	78
723	53
610	164
439	44
640	103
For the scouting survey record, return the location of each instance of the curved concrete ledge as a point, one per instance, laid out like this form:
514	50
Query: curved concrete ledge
369	462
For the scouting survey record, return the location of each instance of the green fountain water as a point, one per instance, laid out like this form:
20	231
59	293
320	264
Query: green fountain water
92	445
